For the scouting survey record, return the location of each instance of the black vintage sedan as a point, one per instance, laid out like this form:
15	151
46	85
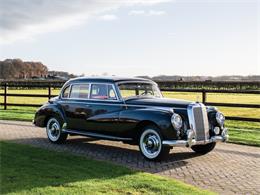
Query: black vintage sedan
131	110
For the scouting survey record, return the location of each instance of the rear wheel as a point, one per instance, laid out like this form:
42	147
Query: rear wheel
203	149
54	131
150	144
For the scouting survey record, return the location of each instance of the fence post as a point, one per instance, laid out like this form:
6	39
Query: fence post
49	91
5	96
204	96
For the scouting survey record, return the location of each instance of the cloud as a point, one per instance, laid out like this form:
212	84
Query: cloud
156	13
108	17
136	12
23	19
146	13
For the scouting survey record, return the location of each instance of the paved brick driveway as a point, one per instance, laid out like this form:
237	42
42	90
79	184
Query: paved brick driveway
228	169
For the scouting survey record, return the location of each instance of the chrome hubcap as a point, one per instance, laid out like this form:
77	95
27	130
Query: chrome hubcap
53	129
150	143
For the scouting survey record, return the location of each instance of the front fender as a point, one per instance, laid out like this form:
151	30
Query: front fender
131	119
46	111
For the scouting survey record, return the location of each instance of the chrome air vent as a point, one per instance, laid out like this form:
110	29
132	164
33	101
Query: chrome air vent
198	120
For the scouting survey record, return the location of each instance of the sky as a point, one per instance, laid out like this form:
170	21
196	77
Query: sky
134	37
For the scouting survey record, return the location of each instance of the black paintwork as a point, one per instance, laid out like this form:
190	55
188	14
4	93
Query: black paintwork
124	119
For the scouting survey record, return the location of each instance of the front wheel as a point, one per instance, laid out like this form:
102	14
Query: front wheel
150	144
203	149
54	131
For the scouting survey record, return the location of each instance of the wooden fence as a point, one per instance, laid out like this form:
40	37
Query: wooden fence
50	85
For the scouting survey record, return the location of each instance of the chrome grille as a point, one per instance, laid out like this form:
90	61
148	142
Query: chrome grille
198	120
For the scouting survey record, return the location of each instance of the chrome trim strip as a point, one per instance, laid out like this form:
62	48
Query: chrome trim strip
97	135
106	104
137	81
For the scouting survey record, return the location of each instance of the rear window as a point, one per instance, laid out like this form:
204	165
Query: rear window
79	91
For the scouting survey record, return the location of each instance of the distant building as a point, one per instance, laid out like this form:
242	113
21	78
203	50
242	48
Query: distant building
60	75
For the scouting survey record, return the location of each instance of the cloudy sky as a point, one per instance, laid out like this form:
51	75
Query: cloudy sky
134	37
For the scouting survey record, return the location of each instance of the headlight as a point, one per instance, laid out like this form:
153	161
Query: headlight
176	121
220	118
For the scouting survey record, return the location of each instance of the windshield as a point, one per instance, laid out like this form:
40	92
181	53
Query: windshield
136	90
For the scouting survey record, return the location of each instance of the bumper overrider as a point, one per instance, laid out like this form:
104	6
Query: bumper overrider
191	140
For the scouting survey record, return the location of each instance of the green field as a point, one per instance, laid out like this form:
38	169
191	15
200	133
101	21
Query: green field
28	170
241	132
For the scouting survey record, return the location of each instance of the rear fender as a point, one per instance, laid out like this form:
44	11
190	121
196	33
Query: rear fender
45	112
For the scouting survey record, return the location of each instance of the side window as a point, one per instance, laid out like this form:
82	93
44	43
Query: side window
66	92
111	93
102	92
79	91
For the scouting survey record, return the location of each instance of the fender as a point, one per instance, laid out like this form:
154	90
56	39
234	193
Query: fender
46	111
132	120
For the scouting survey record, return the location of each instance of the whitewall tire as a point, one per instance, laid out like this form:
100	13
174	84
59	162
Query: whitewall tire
54	131
150	144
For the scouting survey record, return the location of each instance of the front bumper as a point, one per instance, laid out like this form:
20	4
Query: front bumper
191	141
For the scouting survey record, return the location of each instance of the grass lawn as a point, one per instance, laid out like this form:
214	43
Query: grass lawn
29	170
244	132
18	113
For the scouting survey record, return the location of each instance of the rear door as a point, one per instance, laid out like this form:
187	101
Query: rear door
76	106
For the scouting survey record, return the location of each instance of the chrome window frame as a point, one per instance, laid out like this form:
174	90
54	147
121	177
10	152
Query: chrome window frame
63	89
99	83
79	84
142	82
90	87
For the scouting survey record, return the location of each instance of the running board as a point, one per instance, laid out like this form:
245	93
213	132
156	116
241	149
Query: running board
96	135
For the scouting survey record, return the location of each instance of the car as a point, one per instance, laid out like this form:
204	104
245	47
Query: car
131	110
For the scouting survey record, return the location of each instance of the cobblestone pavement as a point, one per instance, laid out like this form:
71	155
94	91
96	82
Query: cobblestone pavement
229	169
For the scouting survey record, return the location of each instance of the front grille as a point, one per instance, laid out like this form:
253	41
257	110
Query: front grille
198	120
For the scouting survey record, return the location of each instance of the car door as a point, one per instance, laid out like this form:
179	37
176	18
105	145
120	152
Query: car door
105	106
76	107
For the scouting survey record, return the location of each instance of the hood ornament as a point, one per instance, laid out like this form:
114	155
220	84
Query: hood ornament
197	99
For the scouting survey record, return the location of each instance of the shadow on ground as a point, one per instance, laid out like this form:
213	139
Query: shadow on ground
113	152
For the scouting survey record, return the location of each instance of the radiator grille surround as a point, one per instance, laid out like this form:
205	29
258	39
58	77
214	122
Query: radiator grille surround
198	120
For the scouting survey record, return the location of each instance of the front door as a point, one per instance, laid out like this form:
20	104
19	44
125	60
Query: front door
105	107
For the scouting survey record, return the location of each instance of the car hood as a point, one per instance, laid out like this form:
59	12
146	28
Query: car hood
162	102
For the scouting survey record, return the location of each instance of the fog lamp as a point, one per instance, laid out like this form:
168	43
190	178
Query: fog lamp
216	130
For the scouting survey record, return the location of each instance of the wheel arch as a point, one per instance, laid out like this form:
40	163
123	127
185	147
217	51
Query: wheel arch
145	123
46	112
56	115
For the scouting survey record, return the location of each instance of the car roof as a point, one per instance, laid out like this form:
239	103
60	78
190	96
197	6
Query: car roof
106	79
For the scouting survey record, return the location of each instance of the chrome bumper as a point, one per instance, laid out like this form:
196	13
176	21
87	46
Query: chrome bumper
191	141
